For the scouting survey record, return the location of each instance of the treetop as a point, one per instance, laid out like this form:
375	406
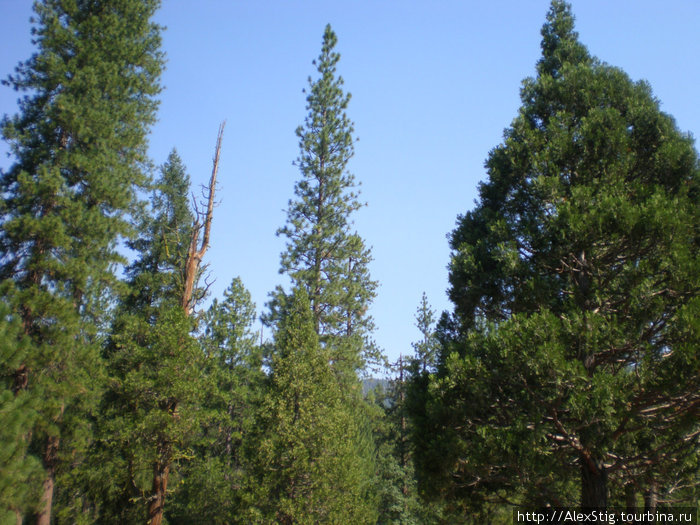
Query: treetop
560	44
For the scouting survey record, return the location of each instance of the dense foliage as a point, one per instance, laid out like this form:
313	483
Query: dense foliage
567	373
569	370
79	149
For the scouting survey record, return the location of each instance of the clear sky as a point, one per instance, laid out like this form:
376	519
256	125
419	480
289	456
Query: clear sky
433	86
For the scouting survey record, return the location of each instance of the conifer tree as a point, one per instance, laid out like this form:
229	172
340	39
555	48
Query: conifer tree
153	361
216	485
395	485
570	371
309	468
323	254
329	262
79	145
235	365
398	488
426	349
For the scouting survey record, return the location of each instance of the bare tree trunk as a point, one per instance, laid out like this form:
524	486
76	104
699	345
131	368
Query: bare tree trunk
161	471
651	497
194	254
44	515
156	506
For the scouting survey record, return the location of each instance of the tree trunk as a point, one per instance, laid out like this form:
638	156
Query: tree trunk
650	498
630	499
594	486
156	506
44	515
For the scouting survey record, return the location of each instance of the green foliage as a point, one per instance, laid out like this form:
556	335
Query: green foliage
21	473
426	349
216	482
150	410
323	255
79	145
309	466
77	170
573	349
164	238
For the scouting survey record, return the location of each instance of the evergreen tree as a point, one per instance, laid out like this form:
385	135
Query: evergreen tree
21	473
400	498
426	349
309	469
154	362
396	486
79	144
216	485
157	275
329	262
323	255
572	355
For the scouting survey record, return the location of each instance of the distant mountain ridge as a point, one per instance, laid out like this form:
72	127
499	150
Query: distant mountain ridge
371	383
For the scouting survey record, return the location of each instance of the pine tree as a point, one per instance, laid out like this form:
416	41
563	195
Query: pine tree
216	485
236	370
21	473
158	273
309	468
329	262
398	488
323	254
572	356
395	485
153	361
426	348
79	144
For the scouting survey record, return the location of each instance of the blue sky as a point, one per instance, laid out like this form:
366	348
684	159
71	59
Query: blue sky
433	86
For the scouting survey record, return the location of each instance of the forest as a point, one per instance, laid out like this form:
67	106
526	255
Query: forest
566	374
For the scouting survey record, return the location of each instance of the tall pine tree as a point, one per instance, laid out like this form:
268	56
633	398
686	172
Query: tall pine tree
323	254
79	144
329	262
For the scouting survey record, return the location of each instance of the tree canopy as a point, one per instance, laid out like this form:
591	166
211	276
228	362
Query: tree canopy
566	374
572	352
79	150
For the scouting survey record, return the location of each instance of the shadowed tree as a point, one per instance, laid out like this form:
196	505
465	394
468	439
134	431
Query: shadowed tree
79	144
